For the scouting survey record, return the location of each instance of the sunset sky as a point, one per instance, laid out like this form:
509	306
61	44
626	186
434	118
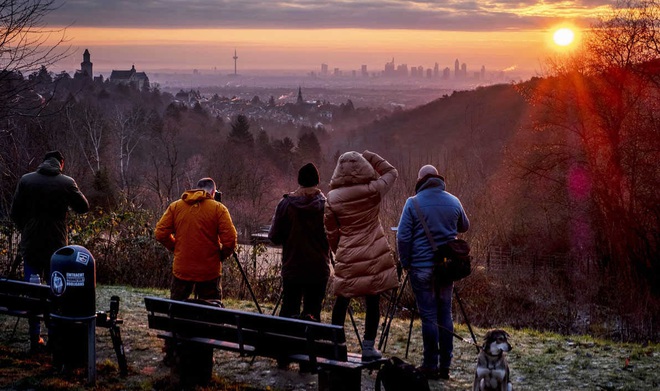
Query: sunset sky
302	34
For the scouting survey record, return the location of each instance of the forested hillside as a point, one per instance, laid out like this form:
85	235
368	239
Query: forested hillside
558	175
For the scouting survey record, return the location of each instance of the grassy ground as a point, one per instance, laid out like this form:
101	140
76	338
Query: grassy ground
538	361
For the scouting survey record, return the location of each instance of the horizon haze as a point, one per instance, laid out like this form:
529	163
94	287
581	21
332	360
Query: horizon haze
299	35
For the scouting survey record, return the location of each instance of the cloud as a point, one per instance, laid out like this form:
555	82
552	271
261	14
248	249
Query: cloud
313	14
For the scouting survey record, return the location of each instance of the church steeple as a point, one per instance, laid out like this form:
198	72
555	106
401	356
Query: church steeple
300	98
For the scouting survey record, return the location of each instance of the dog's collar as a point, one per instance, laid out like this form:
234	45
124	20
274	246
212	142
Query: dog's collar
492	355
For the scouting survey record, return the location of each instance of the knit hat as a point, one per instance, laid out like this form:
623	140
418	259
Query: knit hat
56	154
426	170
308	175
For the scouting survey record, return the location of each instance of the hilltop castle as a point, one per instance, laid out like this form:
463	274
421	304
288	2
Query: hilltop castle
119	77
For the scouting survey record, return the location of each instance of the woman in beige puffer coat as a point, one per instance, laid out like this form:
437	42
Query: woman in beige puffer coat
364	265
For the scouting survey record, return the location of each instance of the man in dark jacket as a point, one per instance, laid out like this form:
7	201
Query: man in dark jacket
298	227
39	209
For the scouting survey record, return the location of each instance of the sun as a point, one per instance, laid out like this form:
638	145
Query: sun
563	36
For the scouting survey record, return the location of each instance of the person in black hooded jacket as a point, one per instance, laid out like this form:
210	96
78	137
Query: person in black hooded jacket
298	227
39	209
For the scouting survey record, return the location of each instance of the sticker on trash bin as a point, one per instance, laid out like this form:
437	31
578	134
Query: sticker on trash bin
57	283
82	258
75	279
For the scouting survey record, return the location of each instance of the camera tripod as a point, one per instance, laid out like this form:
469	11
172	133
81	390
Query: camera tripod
247	282
394	305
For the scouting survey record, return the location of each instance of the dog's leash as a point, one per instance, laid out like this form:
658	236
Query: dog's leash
466	340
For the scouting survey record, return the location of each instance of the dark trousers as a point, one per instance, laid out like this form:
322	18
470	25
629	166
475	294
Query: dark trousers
182	289
372	316
309	293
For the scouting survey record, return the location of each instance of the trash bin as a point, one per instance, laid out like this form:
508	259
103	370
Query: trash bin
73	309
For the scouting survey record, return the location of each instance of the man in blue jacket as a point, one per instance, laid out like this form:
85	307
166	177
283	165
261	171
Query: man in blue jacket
445	218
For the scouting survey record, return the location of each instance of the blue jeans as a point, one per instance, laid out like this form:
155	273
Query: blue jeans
34	325
434	306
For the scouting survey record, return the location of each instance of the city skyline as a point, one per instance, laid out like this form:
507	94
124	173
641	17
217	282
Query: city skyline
203	34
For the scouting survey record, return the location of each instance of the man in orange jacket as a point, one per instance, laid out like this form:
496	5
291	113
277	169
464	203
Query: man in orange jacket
200	232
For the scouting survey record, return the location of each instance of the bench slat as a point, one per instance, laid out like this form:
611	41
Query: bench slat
276	324
17	298
266	342
270	336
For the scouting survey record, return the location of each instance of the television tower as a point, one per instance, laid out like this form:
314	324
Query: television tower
235	58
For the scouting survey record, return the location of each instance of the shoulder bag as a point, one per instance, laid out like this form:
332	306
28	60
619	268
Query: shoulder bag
452	260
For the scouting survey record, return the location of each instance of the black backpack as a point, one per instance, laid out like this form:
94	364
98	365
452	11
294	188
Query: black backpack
398	375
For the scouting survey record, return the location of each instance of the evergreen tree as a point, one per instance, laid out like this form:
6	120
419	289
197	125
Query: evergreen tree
240	135
309	149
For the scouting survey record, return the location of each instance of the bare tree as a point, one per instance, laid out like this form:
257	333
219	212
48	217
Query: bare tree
131	127
165	158
87	124
596	141
24	49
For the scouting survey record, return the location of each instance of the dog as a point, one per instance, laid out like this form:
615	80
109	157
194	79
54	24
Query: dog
492	369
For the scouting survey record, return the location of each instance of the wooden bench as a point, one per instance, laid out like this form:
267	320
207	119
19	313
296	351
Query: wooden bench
24	299
321	346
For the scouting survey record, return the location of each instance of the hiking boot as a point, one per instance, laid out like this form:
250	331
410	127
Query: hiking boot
38	346
430	373
443	373
283	364
169	360
369	351
305	367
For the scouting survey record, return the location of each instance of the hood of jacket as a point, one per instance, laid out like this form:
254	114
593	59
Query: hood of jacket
194	196
352	169
307	198
50	167
430	181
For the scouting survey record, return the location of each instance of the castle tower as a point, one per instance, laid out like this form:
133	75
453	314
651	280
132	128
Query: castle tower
86	65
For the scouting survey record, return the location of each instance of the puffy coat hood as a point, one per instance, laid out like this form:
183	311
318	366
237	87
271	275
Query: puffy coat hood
352	169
